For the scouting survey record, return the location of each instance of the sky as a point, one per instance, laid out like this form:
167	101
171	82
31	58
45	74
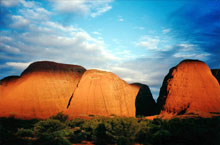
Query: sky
138	40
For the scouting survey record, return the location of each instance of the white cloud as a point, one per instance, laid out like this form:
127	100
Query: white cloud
166	31
96	33
19	21
37	13
8	48
18	65
139	28
53	41
191	55
100	11
150	43
84	7
9	3
12	3
186	46
121	19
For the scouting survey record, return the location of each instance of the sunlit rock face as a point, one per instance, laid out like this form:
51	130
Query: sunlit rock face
42	90
103	93
216	74
145	104
189	87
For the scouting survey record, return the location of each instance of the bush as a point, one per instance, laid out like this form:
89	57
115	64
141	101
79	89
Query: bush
52	139
88	128
24	132
115	130
77	122
48	126
52	132
162	137
102	135
60	116
77	135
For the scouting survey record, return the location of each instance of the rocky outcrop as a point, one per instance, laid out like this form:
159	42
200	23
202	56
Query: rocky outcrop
145	104
42	90
216	74
189	87
103	93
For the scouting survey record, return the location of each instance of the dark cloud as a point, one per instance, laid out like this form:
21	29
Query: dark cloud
199	24
5	17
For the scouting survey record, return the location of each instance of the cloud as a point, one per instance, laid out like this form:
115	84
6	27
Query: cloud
139	28
12	3
166	31
19	21
148	42
9	3
83	7
100	11
36	37
18	65
200	28
96	33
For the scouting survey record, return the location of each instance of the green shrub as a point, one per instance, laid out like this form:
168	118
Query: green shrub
77	135
51	132
48	126
60	116
102	135
77	122
88	127
52	139
161	137
24	132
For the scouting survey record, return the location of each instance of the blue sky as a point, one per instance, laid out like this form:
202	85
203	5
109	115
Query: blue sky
137	40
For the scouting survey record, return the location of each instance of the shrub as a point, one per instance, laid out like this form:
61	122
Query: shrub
60	116
24	132
102	135
77	122
48	126
161	137
51	132
88	127
77	135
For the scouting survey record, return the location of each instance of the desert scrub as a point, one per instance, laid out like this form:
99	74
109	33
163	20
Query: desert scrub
60	116
52	132
25	132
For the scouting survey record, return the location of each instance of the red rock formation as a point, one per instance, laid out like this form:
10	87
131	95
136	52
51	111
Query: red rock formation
216	74
145	104
103	93
43	89
189	87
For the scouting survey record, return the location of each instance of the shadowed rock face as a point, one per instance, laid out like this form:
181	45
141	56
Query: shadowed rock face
103	93
42	90
145	104
216	74
189	87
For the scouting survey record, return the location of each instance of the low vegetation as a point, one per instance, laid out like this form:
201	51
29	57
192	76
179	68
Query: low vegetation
58	130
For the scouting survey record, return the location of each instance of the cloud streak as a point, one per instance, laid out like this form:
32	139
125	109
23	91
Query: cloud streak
92	8
202	29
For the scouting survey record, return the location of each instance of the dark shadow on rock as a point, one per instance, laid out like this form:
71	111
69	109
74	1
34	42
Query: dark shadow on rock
8	79
216	74
145	104
163	92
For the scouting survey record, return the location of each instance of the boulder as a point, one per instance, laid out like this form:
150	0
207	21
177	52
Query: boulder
102	93
189	87
42	90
